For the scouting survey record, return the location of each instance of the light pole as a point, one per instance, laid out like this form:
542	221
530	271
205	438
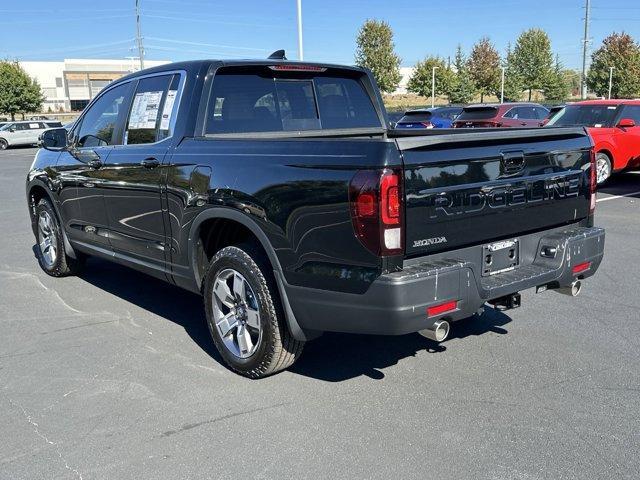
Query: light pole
610	80
139	36
433	86
502	86
300	54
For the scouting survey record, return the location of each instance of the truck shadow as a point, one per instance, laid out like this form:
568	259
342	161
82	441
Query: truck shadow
336	357
333	357
626	183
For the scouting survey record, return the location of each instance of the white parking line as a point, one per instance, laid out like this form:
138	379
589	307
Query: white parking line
613	197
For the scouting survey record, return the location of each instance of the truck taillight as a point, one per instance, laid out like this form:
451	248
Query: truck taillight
593	180
375	198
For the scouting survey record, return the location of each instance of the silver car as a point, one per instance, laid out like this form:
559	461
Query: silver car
23	133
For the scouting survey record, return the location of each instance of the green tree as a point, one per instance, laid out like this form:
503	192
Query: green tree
19	93
484	67
374	50
512	82
558	88
532	60
462	88
621	52
572	78
420	81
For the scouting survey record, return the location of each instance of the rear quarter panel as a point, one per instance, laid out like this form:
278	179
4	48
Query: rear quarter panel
295	191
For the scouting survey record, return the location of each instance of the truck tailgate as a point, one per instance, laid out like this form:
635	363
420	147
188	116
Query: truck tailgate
473	188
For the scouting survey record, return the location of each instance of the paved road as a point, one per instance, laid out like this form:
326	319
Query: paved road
112	375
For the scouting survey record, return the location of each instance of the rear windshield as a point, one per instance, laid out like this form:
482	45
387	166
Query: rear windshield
248	102
415	117
449	113
584	116
482	113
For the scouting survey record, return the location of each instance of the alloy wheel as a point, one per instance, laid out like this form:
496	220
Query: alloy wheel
47	239
236	313
602	170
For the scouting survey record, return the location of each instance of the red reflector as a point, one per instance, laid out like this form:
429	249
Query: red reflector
581	267
442	308
297	68
366	205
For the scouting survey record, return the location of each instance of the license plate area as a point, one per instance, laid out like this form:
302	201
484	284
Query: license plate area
500	257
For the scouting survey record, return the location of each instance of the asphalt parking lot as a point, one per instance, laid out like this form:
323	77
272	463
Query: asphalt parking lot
112	375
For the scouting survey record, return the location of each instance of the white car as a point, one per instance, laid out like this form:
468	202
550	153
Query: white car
24	133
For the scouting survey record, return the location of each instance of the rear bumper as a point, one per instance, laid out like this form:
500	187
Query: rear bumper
397	303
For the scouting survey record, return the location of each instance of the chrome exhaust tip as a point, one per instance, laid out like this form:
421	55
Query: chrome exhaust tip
572	290
438	332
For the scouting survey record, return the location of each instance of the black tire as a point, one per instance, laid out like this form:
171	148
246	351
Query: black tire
276	348
63	265
3	144
604	160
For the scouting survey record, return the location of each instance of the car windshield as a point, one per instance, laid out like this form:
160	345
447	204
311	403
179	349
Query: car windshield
5	126
584	116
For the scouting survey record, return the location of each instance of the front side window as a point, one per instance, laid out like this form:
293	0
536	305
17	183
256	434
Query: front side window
97	126
249	103
632	112
513	113
147	112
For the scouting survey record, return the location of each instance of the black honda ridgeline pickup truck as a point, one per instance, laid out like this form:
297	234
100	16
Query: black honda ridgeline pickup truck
277	190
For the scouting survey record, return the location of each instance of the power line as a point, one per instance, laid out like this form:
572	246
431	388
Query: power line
200	44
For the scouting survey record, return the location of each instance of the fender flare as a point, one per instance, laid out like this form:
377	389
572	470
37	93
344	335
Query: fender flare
243	219
49	193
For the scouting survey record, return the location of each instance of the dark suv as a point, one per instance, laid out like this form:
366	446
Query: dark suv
502	115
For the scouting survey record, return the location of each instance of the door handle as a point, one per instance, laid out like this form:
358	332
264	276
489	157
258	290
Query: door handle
150	162
523	123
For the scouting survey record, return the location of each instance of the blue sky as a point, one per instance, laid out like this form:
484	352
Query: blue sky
178	30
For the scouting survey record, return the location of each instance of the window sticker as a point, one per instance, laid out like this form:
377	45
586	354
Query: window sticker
34	125
144	111
168	108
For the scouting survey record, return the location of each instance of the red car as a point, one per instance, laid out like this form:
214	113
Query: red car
518	114
614	127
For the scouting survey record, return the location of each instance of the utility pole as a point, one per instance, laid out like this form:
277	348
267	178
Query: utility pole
502	86
138	36
585	48
610	80
433	86
300	54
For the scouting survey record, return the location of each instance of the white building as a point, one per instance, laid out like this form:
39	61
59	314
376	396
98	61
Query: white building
405	73
69	85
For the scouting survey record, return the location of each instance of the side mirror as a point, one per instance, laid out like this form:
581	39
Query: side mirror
12	129
54	139
626	123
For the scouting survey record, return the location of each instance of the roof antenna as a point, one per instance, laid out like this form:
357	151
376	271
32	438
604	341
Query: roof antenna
278	55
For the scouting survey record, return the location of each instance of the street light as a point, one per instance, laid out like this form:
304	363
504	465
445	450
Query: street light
433	86
502	86
610	80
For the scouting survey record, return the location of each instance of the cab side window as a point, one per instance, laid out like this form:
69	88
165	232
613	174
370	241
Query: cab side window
149	120
98	125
